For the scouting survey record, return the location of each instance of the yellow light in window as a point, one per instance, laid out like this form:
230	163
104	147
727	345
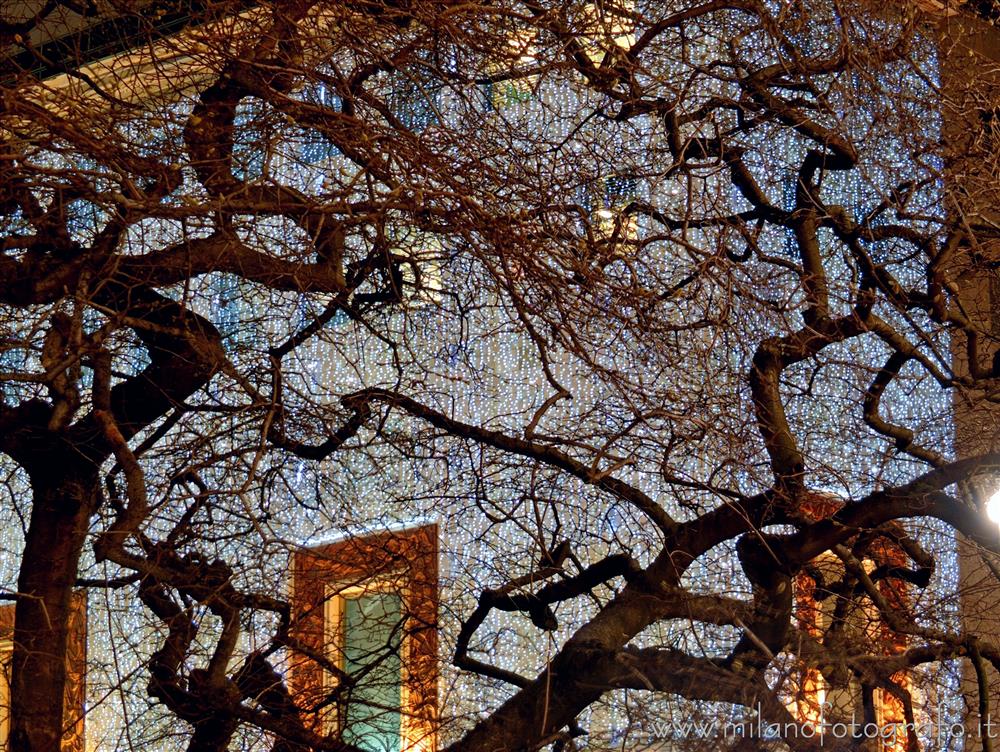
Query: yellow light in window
606	26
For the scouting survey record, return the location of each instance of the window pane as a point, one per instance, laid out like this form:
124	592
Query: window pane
372	631
316	147
415	102
248	141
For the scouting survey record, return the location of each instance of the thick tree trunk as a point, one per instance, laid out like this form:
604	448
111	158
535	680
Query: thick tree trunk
59	521
62	462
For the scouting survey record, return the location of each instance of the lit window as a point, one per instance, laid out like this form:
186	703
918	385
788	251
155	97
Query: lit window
815	606
422	275
818	602
608	27
368	606
422	256
611	222
364	625
6	650
514	86
76	662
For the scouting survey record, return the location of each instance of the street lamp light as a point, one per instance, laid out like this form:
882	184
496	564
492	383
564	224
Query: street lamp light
993	507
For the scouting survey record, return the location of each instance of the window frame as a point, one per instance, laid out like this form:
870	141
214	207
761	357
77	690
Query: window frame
403	561
74	699
809	697
6	657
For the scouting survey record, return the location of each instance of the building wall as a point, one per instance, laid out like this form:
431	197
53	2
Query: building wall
970	78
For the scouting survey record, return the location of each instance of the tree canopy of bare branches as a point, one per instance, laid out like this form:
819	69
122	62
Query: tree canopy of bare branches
670	319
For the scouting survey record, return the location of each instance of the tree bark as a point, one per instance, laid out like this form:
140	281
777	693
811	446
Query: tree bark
63	466
62	507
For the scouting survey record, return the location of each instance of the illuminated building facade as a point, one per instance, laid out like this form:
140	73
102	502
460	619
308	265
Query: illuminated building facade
376	584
